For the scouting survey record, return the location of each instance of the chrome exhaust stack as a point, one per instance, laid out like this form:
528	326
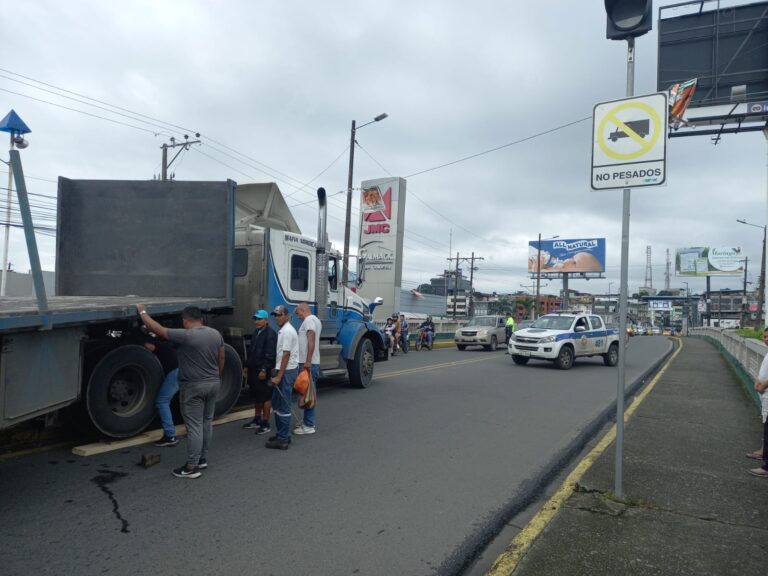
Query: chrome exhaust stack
321	268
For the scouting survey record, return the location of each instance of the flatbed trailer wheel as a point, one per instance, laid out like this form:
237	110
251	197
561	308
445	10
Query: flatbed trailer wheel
231	382
121	390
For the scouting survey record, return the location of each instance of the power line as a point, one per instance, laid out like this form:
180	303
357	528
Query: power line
484	152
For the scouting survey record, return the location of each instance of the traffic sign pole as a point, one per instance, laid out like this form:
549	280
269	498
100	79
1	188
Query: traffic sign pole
624	288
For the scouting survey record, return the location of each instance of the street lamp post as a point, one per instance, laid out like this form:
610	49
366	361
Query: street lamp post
16	127
347	222
761	284
687	307
538	273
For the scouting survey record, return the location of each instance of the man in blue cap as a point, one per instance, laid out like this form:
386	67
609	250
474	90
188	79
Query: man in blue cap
258	368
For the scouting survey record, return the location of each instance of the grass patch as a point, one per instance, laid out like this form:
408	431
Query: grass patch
755	333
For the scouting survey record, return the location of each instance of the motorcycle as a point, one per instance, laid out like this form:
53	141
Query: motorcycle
422	341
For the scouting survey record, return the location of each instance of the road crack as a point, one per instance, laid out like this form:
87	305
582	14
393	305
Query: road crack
103	480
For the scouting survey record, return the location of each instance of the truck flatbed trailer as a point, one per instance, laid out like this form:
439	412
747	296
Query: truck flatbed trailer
22	313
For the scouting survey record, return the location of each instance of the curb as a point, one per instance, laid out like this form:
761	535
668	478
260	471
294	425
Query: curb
532	488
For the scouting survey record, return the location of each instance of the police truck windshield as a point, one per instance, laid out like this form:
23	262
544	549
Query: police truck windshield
553	323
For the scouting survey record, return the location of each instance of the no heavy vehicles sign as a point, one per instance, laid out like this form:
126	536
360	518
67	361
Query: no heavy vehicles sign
629	142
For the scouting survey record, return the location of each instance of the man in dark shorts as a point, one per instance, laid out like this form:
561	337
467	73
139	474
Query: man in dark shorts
200	351
261	360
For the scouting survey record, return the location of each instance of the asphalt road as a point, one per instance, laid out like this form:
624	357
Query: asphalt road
405	477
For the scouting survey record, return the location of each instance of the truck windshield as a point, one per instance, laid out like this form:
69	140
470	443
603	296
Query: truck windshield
553	322
482	321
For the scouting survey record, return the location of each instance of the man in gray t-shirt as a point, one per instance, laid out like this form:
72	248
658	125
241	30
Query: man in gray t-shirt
200	351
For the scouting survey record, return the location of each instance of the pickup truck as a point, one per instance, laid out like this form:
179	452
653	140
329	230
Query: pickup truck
563	337
485	331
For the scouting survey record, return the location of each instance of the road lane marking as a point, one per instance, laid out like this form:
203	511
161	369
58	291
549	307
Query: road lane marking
416	370
508	560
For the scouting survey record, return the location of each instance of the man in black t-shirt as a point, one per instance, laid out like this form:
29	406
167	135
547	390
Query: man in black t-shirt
261	360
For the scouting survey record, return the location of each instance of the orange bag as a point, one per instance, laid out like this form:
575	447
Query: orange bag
301	385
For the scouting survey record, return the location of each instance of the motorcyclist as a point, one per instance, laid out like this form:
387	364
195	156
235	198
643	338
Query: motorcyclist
389	330
404	333
509	326
428	327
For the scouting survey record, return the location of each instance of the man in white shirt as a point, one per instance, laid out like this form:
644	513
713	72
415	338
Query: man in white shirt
286	370
309	358
761	386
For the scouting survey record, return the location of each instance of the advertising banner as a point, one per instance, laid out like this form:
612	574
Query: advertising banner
661	305
567	256
382	214
709	261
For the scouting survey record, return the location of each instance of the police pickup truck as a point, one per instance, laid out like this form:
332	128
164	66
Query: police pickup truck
563	337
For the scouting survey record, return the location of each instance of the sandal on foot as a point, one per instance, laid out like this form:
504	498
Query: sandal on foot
756	455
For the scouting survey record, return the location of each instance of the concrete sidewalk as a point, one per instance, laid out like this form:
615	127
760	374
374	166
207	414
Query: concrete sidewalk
689	506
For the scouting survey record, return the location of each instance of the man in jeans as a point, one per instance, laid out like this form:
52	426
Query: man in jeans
286	370
200	351
309	358
167	356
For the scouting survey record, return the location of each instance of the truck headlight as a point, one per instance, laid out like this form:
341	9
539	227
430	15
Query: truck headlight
547	340
482	333
512	338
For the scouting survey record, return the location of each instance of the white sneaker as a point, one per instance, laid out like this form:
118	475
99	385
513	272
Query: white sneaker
302	429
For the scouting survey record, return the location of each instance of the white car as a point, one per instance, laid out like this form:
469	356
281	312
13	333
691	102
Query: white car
563	337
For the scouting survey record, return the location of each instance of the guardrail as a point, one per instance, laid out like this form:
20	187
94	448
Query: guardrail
745	354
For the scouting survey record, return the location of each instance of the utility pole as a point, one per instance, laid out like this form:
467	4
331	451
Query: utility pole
744	296
181	146
471	262
471	302
455	281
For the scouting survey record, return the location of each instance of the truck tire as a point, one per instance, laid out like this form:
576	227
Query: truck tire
121	390
493	345
611	358
231	382
461	346
565	359
360	368
521	360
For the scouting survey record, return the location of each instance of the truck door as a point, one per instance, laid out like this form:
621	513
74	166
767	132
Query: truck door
300	276
598	336
333	286
582	341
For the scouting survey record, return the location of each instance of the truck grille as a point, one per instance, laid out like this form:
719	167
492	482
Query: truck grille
530	348
469	332
526	339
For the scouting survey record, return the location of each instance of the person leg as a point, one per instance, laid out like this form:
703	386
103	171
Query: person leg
193	408
281	405
429	338
309	413
167	391
209	408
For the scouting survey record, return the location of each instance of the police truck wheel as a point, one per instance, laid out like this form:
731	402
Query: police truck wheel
522	360
565	358
611	358
360	368
121	390
231	382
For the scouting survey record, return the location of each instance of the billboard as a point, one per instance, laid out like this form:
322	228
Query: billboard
382	220
660	305
567	256
723	47
709	261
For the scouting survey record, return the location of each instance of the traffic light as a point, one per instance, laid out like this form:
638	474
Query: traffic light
628	18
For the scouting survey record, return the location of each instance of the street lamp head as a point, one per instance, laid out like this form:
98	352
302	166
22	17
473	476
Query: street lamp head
20	142
381	117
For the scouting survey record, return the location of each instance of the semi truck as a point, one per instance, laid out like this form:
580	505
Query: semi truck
224	248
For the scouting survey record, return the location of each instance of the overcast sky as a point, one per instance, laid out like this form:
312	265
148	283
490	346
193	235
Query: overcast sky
280	82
